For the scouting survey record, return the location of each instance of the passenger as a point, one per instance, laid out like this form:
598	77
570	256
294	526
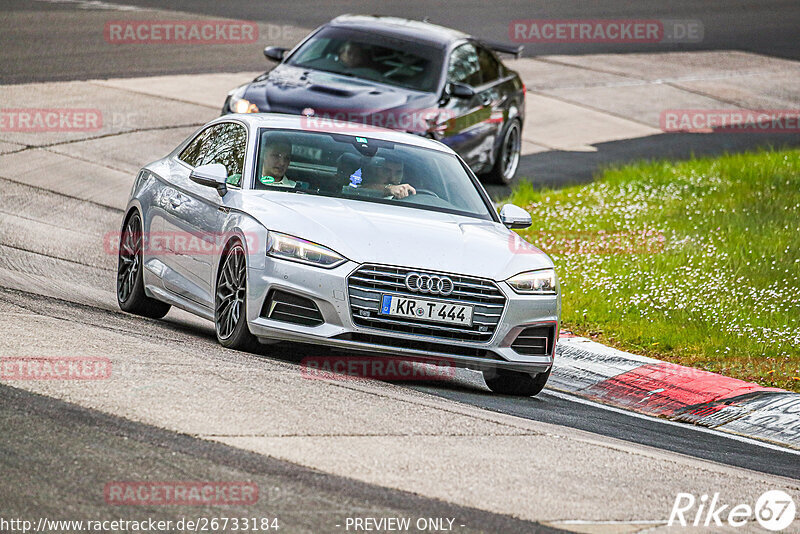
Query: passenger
276	156
348	175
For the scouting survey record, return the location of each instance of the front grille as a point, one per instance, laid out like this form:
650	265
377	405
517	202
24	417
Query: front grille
367	285
282	306
535	341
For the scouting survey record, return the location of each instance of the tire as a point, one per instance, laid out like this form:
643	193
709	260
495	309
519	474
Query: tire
507	382
508	155
230	302
130	285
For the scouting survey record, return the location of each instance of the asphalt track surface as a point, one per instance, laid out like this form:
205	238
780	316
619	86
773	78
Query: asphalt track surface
468	388
764	27
53	40
94	447
566	410
45	40
52	272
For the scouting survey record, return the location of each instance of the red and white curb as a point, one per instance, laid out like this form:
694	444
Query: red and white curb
603	374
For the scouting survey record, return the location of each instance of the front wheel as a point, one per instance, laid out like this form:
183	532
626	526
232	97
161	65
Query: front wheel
508	156
230	305
130	284
507	382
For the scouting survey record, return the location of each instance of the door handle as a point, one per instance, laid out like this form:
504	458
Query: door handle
486	99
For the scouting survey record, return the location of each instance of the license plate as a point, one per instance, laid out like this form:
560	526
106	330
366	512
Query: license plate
429	310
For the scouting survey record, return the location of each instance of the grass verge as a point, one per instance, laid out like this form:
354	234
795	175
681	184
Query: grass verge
696	262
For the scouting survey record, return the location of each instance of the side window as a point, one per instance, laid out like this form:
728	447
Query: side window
193	153
464	66
490	67
317	49
227	145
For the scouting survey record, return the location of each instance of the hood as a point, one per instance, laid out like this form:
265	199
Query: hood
289	89
394	235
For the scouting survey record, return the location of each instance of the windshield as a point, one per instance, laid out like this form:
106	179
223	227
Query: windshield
372	57
360	168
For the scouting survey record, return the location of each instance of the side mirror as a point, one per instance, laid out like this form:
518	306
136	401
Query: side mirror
515	217
212	175
275	53
460	90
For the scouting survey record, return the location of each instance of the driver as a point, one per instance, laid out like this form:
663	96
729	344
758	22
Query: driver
277	154
386	176
352	55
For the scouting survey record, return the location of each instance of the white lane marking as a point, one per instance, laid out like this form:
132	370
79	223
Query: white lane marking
93	4
620	522
658	81
743	439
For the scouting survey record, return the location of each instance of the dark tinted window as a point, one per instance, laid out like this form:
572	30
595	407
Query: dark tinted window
193	154
372	56
490	67
227	147
464	66
224	143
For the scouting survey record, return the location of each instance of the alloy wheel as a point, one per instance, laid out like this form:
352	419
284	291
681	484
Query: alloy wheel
231	292
511	151
130	248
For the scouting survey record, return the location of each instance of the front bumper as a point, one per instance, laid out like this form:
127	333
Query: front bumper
327	288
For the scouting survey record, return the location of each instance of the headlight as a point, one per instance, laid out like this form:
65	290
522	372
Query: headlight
534	282
242	105
296	249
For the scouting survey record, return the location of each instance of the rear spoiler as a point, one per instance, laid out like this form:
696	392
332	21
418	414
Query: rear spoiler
515	51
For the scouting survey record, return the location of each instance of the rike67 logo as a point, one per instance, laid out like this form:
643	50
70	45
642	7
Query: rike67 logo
774	510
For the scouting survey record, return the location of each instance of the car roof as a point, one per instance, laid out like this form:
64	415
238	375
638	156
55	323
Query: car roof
299	122
399	27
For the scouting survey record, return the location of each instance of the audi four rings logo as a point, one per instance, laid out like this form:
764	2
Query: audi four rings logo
426	283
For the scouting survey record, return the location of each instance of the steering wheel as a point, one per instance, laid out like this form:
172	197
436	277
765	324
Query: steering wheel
426	192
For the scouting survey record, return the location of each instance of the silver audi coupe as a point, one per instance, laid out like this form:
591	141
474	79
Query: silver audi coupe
291	228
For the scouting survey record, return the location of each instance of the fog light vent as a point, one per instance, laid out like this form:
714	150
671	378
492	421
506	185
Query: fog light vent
283	306
535	341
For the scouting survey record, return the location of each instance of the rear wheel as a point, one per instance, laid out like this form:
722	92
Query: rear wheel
230	305
507	382
130	285
507	160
